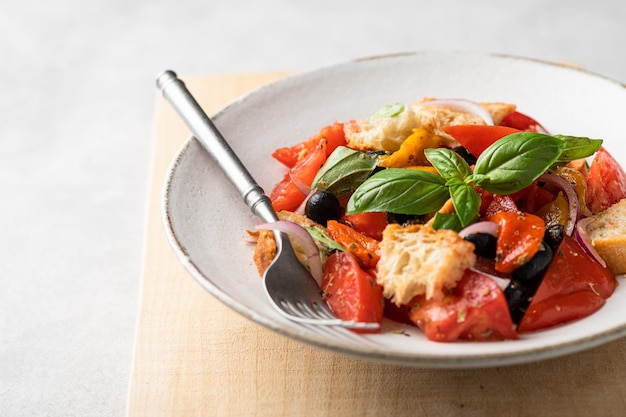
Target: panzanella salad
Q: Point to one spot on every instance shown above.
(468, 220)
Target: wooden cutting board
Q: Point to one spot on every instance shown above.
(195, 357)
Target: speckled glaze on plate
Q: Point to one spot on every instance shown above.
(205, 219)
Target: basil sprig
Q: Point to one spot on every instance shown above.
(323, 239)
(509, 165)
(344, 170)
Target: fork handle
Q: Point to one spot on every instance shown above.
(203, 129)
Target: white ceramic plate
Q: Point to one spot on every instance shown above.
(205, 219)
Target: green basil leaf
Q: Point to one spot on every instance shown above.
(455, 181)
(448, 163)
(515, 161)
(400, 191)
(466, 203)
(447, 221)
(320, 235)
(391, 110)
(344, 170)
(577, 148)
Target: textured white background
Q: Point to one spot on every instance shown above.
(76, 104)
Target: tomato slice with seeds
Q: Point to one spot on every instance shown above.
(476, 309)
(499, 203)
(606, 182)
(352, 292)
(333, 134)
(573, 287)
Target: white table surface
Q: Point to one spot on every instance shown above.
(76, 107)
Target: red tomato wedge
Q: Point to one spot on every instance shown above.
(288, 156)
(498, 203)
(477, 138)
(351, 292)
(475, 310)
(486, 198)
(606, 182)
(521, 121)
(573, 287)
(370, 223)
(519, 237)
(304, 171)
(333, 134)
(287, 194)
(363, 247)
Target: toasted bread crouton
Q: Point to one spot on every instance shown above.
(607, 232)
(388, 133)
(381, 133)
(265, 249)
(446, 115)
(418, 259)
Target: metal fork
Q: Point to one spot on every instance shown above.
(290, 287)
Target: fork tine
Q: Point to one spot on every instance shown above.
(342, 333)
(321, 315)
(313, 310)
(300, 312)
(323, 310)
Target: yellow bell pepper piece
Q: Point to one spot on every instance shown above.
(411, 152)
(430, 169)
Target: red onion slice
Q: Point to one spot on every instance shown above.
(572, 199)
(305, 240)
(464, 105)
(487, 227)
(583, 238)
